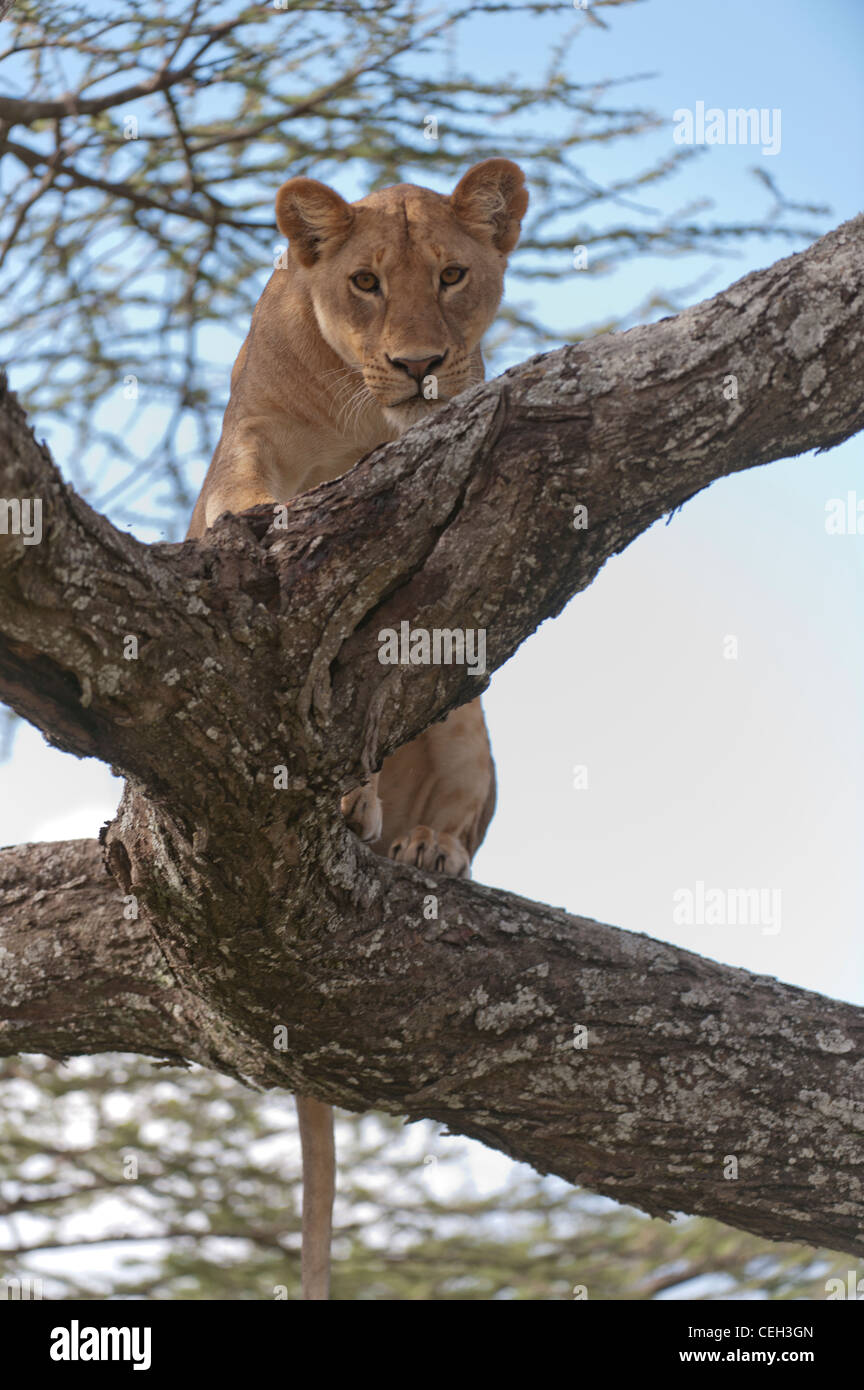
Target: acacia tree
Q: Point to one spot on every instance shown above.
(237, 685)
(265, 941)
(190, 1185)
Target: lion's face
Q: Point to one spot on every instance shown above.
(405, 282)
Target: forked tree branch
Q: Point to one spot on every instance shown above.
(269, 943)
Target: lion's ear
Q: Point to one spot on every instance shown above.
(491, 200)
(310, 214)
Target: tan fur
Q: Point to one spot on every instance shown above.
(329, 371)
(319, 1185)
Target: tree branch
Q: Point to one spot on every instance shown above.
(287, 953)
(25, 111)
(217, 213)
(75, 974)
(688, 1063)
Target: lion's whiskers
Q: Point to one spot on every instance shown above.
(351, 410)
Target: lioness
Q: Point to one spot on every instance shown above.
(374, 321)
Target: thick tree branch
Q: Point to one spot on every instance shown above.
(468, 520)
(289, 955)
(688, 1063)
(76, 975)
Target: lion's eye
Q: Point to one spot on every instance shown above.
(365, 281)
(452, 274)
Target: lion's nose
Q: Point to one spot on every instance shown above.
(418, 367)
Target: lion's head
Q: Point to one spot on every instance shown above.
(405, 282)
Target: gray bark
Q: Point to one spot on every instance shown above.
(264, 925)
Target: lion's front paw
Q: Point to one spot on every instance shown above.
(432, 849)
(362, 810)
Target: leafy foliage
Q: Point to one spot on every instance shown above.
(214, 1211)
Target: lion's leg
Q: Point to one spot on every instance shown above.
(362, 810)
(437, 795)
